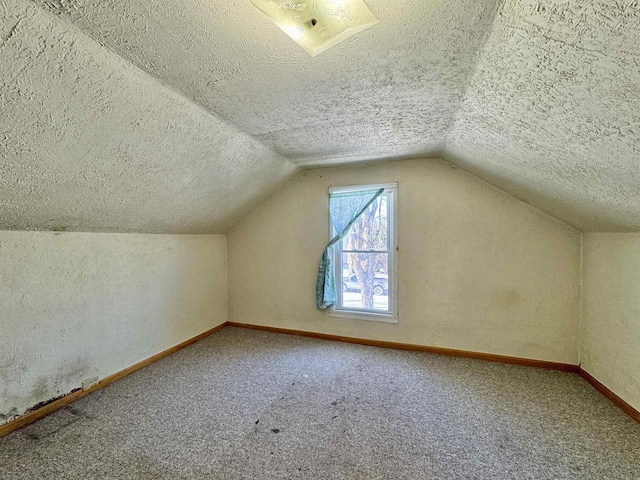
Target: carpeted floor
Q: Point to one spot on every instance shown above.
(252, 405)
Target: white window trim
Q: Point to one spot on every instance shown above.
(392, 317)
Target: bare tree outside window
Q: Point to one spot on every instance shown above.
(366, 254)
(365, 260)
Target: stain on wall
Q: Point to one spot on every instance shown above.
(506, 298)
(477, 269)
(78, 305)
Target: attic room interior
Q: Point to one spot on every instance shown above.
(328, 239)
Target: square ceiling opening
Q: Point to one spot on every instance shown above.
(317, 25)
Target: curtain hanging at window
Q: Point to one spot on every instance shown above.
(345, 208)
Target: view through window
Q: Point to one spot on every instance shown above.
(365, 260)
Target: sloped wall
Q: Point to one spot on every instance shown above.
(78, 305)
(89, 143)
(551, 112)
(610, 348)
(478, 269)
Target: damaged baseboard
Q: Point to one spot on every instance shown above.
(42, 410)
(45, 408)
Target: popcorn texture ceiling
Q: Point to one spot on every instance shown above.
(89, 142)
(182, 115)
(552, 113)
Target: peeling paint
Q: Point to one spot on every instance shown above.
(10, 415)
(80, 305)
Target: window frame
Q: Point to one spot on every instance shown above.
(391, 189)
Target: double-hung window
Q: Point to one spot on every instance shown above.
(365, 260)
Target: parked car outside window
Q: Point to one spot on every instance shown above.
(380, 286)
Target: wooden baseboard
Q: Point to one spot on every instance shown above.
(610, 395)
(45, 410)
(563, 367)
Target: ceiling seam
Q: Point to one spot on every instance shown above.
(440, 158)
(445, 155)
(447, 159)
(156, 80)
(230, 230)
(494, 18)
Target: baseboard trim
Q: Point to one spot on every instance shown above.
(624, 406)
(563, 367)
(490, 357)
(34, 415)
(30, 417)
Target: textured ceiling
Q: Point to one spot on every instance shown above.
(181, 115)
(89, 142)
(552, 114)
(391, 90)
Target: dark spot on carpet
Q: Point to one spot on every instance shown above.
(443, 418)
(53, 424)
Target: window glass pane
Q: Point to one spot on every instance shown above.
(370, 231)
(365, 281)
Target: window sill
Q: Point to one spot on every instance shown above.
(371, 317)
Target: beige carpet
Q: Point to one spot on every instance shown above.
(252, 405)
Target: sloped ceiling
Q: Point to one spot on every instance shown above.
(391, 90)
(88, 142)
(181, 115)
(552, 114)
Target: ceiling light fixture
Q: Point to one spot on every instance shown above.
(317, 25)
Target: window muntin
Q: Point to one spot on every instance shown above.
(365, 261)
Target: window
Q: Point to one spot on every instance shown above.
(365, 260)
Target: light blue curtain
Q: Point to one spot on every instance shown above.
(345, 208)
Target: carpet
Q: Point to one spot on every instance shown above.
(245, 404)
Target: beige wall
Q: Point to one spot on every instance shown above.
(478, 269)
(77, 305)
(610, 349)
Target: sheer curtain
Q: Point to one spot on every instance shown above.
(345, 208)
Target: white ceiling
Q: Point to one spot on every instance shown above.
(88, 142)
(182, 115)
(392, 89)
(552, 113)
